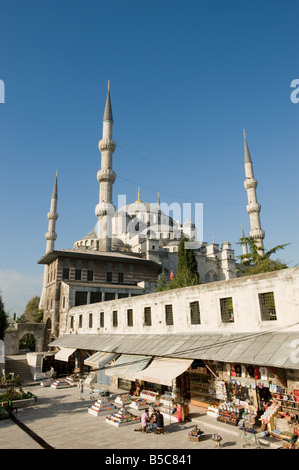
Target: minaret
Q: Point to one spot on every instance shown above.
(253, 208)
(50, 235)
(106, 177)
(52, 216)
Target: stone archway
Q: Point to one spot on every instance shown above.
(27, 343)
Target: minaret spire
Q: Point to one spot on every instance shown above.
(52, 216)
(50, 235)
(253, 208)
(106, 177)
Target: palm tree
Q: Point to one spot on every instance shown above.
(255, 261)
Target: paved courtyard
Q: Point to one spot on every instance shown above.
(63, 421)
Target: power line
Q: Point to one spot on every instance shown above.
(179, 171)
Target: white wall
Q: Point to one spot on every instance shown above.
(244, 292)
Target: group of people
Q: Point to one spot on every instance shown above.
(152, 422)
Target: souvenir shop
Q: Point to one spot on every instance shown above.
(247, 396)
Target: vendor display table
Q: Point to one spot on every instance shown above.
(102, 406)
(149, 395)
(122, 418)
(139, 404)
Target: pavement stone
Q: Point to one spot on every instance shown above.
(61, 419)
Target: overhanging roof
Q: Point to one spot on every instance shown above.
(96, 255)
(163, 370)
(127, 366)
(276, 349)
(99, 358)
(64, 354)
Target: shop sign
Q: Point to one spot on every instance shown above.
(200, 370)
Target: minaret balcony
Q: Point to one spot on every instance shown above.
(51, 236)
(52, 216)
(257, 234)
(107, 176)
(107, 144)
(253, 207)
(250, 183)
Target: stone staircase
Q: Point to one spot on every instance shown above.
(19, 366)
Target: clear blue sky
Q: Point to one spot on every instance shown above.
(186, 78)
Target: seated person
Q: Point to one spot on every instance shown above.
(159, 423)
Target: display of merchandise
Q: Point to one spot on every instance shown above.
(101, 406)
(47, 382)
(270, 413)
(149, 395)
(122, 417)
(219, 391)
(200, 387)
(124, 399)
(72, 378)
(139, 404)
(212, 411)
(229, 413)
(170, 412)
(60, 384)
(196, 434)
(167, 398)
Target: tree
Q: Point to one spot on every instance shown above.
(3, 319)
(32, 312)
(187, 274)
(163, 282)
(255, 262)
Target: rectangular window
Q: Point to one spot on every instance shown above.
(95, 297)
(122, 296)
(101, 319)
(65, 273)
(130, 317)
(147, 316)
(72, 322)
(63, 302)
(267, 306)
(114, 318)
(90, 275)
(168, 315)
(90, 320)
(109, 272)
(51, 305)
(227, 311)
(120, 277)
(80, 321)
(78, 270)
(194, 313)
(80, 298)
(109, 296)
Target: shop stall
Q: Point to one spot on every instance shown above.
(123, 399)
(101, 406)
(150, 396)
(122, 417)
(139, 404)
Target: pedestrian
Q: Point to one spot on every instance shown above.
(159, 423)
(144, 419)
(81, 389)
